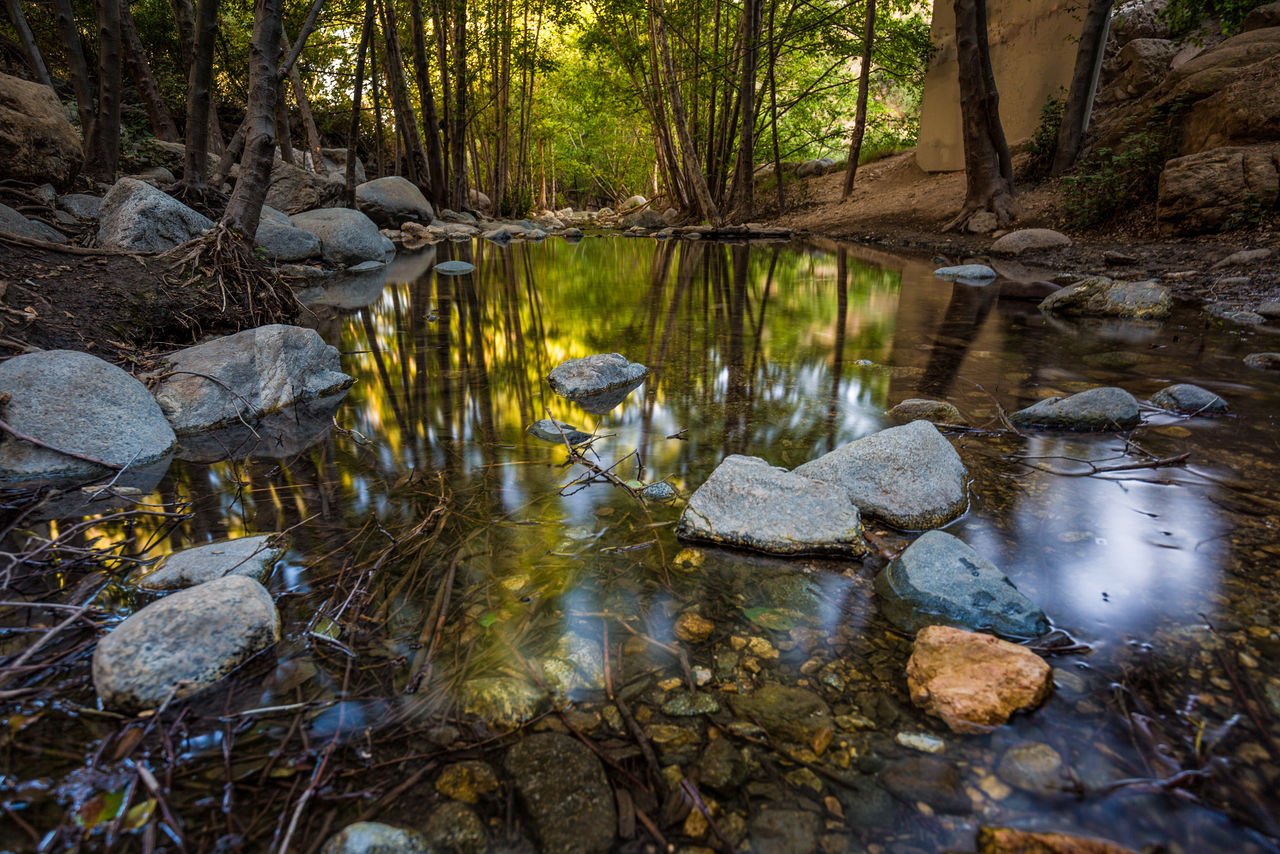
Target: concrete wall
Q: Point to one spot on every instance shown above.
(1033, 52)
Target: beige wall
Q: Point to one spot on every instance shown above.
(1033, 51)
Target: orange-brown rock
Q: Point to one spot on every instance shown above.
(974, 682)
(1006, 840)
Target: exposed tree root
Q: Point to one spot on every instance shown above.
(208, 201)
(999, 202)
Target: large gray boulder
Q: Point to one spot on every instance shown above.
(940, 580)
(1098, 296)
(564, 792)
(136, 217)
(597, 383)
(647, 218)
(294, 190)
(347, 237)
(908, 476)
(80, 404)
(392, 201)
(15, 223)
(183, 643)
(1092, 411)
(37, 142)
(282, 242)
(748, 503)
(251, 557)
(245, 376)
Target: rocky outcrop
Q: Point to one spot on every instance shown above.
(136, 217)
(82, 405)
(750, 504)
(908, 476)
(347, 237)
(294, 190)
(1092, 411)
(1205, 192)
(1098, 296)
(972, 681)
(37, 142)
(597, 383)
(183, 643)
(939, 580)
(251, 557)
(246, 375)
(564, 793)
(392, 201)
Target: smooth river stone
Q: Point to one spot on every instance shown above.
(251, 557)
(1092, 411)
(453, 268)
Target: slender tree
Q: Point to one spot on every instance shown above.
(860, 119)
(366, 35)
(140, 69)
(76, 64)
(743, 194)
(245, 205)
(102, 140)
(199, 99)
(427, 101)
(1075, 113)
(28, 40)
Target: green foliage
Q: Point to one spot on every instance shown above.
(1185, 16)
(1044, 142)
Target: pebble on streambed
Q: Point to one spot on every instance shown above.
(252, 557)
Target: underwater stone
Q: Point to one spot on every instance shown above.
(565, 794)
(1095, 410)
(1185, 397)
(252, 557)
(453, 268)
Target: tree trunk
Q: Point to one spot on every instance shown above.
(988, 182)
(102, 143)
(157, 113)
(184, 17)
(742, 199)
(407, 124)
(284, 134)
(378, 147)
(230, 155)
(28, 39)
(458, 199)
(1075, 114)
(244, 208)
(76, 64)
(353, 134)
(692, 166)
(198, 96)
(304, 110)
(426, 97)
(860, 120)
(773, 106)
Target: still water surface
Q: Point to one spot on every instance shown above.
(441, 552)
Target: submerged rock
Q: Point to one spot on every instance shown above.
(1263, 361)
(565, 794)
(597, 383)
(927, 779)
(922, 409)
(1034, 767)
(80, 404)
(374, 837)
(974, 682)
(1185, 397)
(659, 491)
(1098, 296)
(136, 217)
(1095, 410)
(252, 557)
(502, 702)
(939, 580)
(963, 272)
(247, 375)
(550, 430)
(454, 827)
(907, 476)
(1006, 840)
(467, 781)
(183, 643)
(793, 715)
(750, 504)
(783, 831)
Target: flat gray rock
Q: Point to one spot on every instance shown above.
(908, 476)
(392, 201)
(1029, 240)
(564, 792)
(1092, 411)
(251, 557)
(374, 837)
(1263, 361)
(550, 430)
(136, 217)
(939, 580)
(1098, 296)
(750, 504)
(246, 375)
(597, 383)
(453, 268)
(347, 237)
(81, 205)
(15, 223)
(1192, 399)
(183, 643)
(77, 403)
(965, 271)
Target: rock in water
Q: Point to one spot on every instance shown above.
(1006, 840)
(37, 143)
(346, 237)
(1034, 767)
(374, 837)
(502, 702)
(136, 217)
(81, 404)
(908, 476)
(783, 831)
(793, 715)
(453, 268)
(393, 200)
(251, 557)
(564, 793)
(750, 504)
(597, 383)
(930, 779)
(454, 827)
(939, 580)
(183, 643)
(966, 272)
(1263, 361)
(1092, 411)
(974, 682)
(1098, 296)
(1028, 240)
(921, 409)
(550, 430)
(1192, 399)
(254, 372)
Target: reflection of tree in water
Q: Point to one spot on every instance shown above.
(966, 312)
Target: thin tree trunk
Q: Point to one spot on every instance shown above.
(198, 96)
(28, 39)
(440, 29)
(426, 97)
(184, 17)
(991, 97)
(860, 120)
(458, 199)
(157, 113)
(353, 134)
(407, 124)
(1075, 114)
(284, 133)
(304, 110)
(244, 209)
(773, 106)
(231, 154)
(291, 54)
(743, 195)
(76, 64)
(379, 145)
(102, 143)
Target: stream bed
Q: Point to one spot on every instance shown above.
(453, 587)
